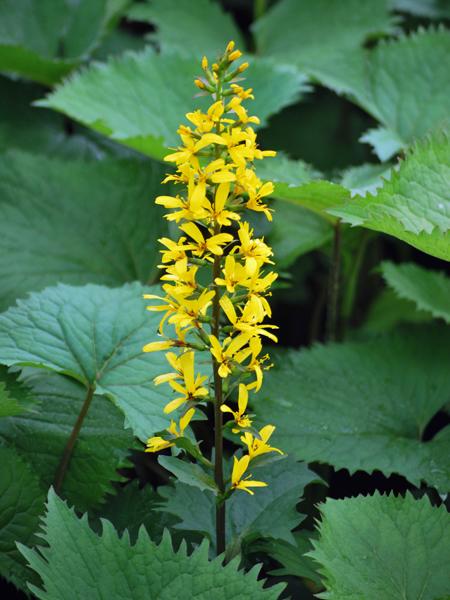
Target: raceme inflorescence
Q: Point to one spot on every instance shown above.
(215, 276)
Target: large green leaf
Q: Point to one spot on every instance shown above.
(365, 405)
(296, 182)
(33, 129)
(76, 222)
(94, 335)
(141, 571)
(190, 28)
(45, 40)
(394, 82)
(21, 503)
(384, 547)
(293, 557)
(429, 290)
(387, 311)
(313, 31)
(140, 99)
(295, 232)
(414, 205)
(433, 9)
(41, 435)
(131, 508)
(269, 513)
(15, 398)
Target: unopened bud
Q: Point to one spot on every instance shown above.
(200, 84)
(243, 67)
(234, 55)
(230, 47)
(215, 67)
(204, 63)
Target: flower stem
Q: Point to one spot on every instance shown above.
(68, 450)
(333, 285)
(218, 416)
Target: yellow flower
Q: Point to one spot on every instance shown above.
(225, 355)
(250, 320)
(255, 251)
(253, 350)
(184, 422)
(175, 250)
(234, 274)
(157, 443)
(257, 446)
(192, 389)
(217, 211)
(211, 244)
(255, 200)
(191, 147)
(187, 313)
(240, 465)
(157, 346)
(241, 419)
(182, 276)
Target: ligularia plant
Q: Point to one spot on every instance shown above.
(216, 280)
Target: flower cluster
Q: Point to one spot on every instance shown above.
(215, 279)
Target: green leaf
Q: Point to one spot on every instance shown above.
(297, 183)
(295, 232)
(414, 205)
(364, 405)
(131, 508)
(433, 9)
(126, 571)
(188, 472)
(383, 547)
(140, 99)
(189, 28)
(313, 31)
(429, 290)
(15, 397)
(393, 82)
(21, 503)
(292, 557)
(94, 335)
(388, 310)
(365, 178)
(76, 222)
(271, 512)
(43, 41)
(26, 127)
(40, 437)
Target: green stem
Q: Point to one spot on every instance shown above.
(351, 286)
(259, 8)
(218, 416)
(68, 450)
(333, 285)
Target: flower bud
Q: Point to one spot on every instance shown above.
(235, 55)
(230, 47)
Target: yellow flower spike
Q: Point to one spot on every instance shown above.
(240, 466)
(257, 446)
(222, 315)
(240, 418)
